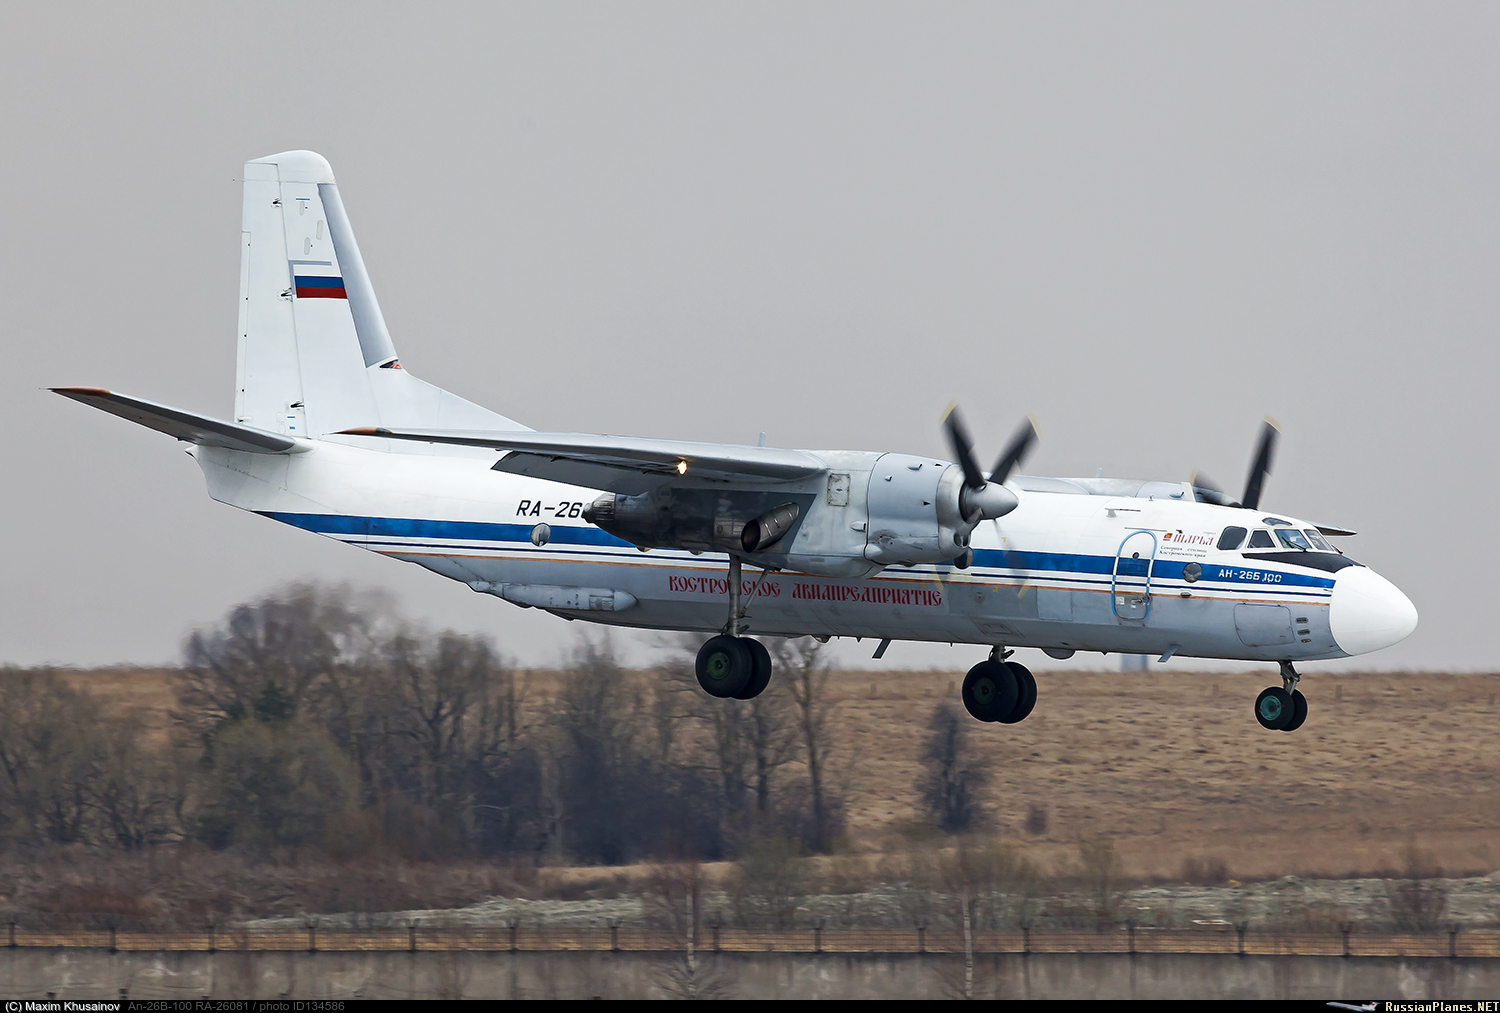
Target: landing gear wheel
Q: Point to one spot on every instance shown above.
(1299, 711)
(724, 666)
(1274, 708)
(990, 690)
(1025, 698)
(760, 676)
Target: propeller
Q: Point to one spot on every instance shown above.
(1261, 466)
(1207, 491)
(984, 498)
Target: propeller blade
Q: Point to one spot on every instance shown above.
(1198, 480)
(963, 448)
(1020, 445)
(1206, 490)
(1261, 466)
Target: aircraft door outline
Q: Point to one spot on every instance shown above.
(1128, 599)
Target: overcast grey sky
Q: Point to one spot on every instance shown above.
(1146, 224)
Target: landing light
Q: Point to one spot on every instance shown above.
(682, 467)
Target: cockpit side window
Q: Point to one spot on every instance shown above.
(1231, 538)
(1319, 542)
(1292, 538)
(1260, 538)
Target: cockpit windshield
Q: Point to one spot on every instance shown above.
(1260, 538)
(1292, 538)
(1319, 542)
(1232, 537)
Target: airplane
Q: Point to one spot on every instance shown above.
(332, 435)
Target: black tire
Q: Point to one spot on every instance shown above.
(1299, 711)
(1274, 708)
(723, 666)
(990, 690)
(1026, 695)
(760, 677)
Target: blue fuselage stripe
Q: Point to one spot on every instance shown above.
(411, 527)
(442, 534)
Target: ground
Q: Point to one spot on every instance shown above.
(1172, 765)
(1169, 764)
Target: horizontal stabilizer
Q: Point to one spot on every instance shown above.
(187, 426)
(619, 463)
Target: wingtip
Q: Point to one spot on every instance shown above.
(80, 391)
(364, 431)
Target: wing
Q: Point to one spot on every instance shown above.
(188, 426)
(623, 464)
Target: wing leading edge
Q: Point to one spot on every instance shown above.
(623, 464)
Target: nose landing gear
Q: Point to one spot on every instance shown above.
(1282, 708)
(999, 690)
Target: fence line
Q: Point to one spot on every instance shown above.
(1124, 939)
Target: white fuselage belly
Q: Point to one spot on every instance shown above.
(1046, 575)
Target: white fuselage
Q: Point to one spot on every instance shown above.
(1062, 572)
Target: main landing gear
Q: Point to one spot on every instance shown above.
(730, 666)
(999, 690)
(1282, 708)
(735, 668)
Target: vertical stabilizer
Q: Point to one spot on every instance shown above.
(314, 353)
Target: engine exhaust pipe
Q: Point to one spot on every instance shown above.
(767, 529)
(601, 511)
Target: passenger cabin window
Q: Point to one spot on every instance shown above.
(1260, 538)
(1231, 538)
(1319, 542)
(1292, 538)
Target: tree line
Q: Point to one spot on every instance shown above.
(315, 717)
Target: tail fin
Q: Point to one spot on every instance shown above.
(314, 353)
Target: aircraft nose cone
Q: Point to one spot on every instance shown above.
(1368, 612)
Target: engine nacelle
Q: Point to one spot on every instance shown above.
(866, 512)
(700, 520)
(916, 511)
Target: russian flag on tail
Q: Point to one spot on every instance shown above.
(315, 287)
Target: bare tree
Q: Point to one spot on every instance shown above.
(677, 892)
(770, 730)
(271, 656)
(804, 674)
(952, 776)
(1102, 875)
(457, 708)
(73, 771)
(1419, 901)
(769, 883)
(600, 765)
(752, 739)
(274, 784)
(47, 757)
(137, 793)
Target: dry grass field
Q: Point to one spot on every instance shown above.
(1169, 764)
